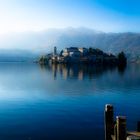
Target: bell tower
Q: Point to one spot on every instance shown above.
(55, 51)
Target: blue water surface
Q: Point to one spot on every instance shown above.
(64, 102)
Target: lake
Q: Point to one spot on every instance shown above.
(64, 102)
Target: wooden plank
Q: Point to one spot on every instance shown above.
(113, 137)
(121, 127)
(138, 126)
(134, 133)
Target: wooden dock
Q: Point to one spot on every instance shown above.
(116, 129)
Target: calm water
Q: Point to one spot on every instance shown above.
(64, 103)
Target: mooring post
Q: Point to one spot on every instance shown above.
(109, 121)
(121, 127)
(138, 126)
(115, 132)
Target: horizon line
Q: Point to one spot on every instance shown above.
(66, 28)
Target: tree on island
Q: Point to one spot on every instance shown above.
(122, 60)
(95, 51)
(43, 60)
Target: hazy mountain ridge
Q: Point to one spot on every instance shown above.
(44, 41)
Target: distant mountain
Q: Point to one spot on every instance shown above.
(44, 41)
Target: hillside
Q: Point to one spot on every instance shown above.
(44, 41)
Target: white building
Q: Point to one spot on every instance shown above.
(84, 51)
(72, 52)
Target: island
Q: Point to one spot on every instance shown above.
(75, 55)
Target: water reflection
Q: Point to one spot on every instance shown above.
(121, 69)
(34, 105)
(80, 71)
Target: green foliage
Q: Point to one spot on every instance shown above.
(122, 58)
(43, 59)
(93, 51)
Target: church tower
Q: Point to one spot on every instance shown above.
(55, 51)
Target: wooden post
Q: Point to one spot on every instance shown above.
(121, 128)
(109, 122)
(115, 132)
(138, 126)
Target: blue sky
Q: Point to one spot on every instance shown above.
(36, 15)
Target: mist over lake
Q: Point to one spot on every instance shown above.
(44, 41)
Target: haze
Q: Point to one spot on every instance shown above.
(36, 15)
(24, 23)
